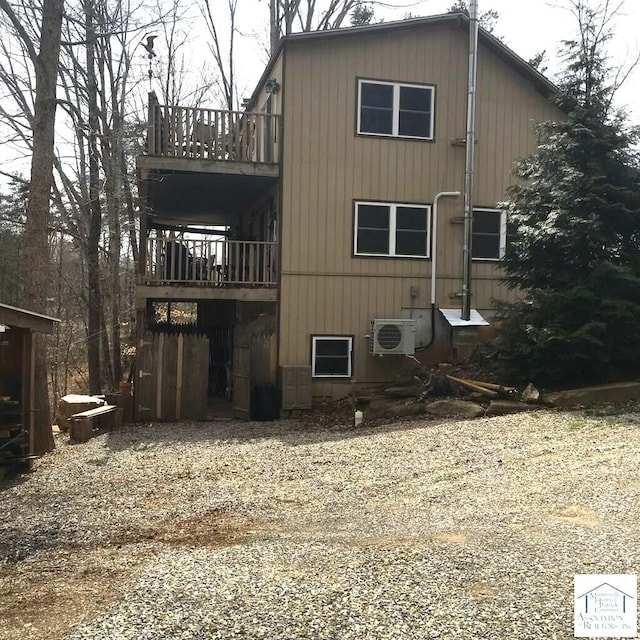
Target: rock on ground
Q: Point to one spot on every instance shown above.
(455, 408)
(503, 407)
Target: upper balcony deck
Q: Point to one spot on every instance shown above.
(211, 141)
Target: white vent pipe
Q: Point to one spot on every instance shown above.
(434, 242)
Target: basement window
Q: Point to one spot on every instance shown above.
(489, 234)
(395, 109)
(331, 356)
(393, 230)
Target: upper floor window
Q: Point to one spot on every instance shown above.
(389, 229)
(395, 109)
(489, 234)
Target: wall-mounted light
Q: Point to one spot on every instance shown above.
(4, 340)
(272, 86)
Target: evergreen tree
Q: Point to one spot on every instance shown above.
(575, 218)
(361, 15)
(538, 61)
(487, 19)
(13, 208)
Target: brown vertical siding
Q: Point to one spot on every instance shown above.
(325, 289)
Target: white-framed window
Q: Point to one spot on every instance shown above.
(392, 229)
(489, 234)
(331, 356)
(395, 109)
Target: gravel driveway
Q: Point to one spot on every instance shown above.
(459, 529)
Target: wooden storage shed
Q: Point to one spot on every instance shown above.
(17, 376)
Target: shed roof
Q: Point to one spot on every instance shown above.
(24, 319)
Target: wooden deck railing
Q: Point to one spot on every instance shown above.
(210, 262)
(213, 134)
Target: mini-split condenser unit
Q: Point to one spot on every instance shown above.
(389, 337)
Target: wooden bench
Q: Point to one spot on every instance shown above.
(83, 424)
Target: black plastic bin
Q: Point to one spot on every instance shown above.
(265, 402)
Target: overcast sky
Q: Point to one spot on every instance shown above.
(526, 26)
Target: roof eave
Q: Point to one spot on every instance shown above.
(543, 84)
(25, 319)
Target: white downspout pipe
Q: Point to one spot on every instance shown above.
(434, 242)
(469, 160)
(434, 262)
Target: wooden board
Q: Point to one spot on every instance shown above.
(172, 377)
(145, 387)
(98, 411)
(241, 378)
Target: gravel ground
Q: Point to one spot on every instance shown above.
(460, 530)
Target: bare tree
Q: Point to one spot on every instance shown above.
(100, 86)
(95, 206)
(114, 73)
(223, 56)
(181, 80)
(596, 24)
(307, 15)
(288, 16)
(96, 77)
(45, 62)
(91, 166)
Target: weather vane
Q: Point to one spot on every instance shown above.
(148, 46)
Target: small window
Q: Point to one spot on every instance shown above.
(331, 356)
(389, 229)
(489, 234)
(395, 109)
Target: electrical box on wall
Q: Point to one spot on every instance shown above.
(422, 317)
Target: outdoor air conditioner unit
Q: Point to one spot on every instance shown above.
(392, 337)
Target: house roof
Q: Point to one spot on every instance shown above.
(24, 319)
(541, 83)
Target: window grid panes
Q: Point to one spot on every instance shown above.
(331, 356)
(395, 109)
(373, 229)
(489, 234)
(394, 230)
(376, 108)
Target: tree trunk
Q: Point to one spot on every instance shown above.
(95, 221)
(131, 213)
(107, 374)
(57, 342)
(38, 206)
(115, 246)
(274, 25)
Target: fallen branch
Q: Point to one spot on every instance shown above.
(474, 387)
(491, 385)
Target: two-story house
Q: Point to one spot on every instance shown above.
(314, 205)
